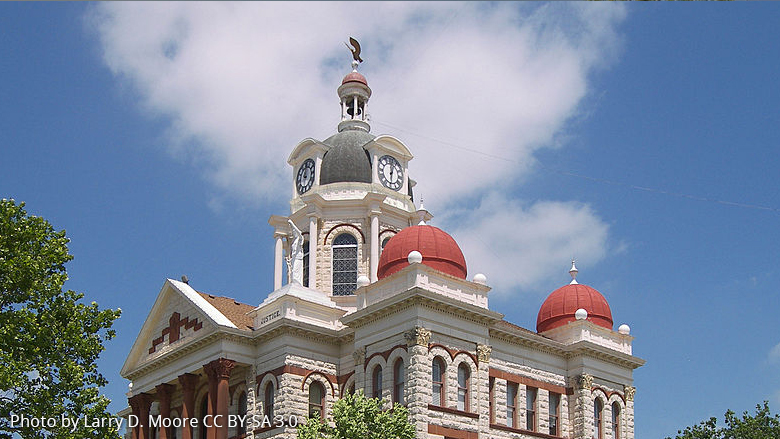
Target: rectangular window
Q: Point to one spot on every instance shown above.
(491, 399)
(555, 410)
(511, 405)
(530, 408)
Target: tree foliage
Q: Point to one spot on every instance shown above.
(358, 417)
(49, 339)
(763, 425)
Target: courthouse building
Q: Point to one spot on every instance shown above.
(367, 296)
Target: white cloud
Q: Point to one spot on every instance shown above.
(472, 88)
(774, 354)
(518, 246)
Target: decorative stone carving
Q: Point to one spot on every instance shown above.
(359, 355)
(629, 391)
(418, 336)
(295, 262)
(483, 352)
(584, 381)
(219, 368)
(188, 382)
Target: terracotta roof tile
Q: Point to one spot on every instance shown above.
(235, 311)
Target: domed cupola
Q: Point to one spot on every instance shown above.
(562, 305)
(439, 250)
(347, 159)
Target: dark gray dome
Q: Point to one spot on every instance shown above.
(347, 160)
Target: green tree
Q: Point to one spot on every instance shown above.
(763, 425)
(358, 417)
(49, 339)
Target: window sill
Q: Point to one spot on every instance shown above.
(452, 411)
(522, 431)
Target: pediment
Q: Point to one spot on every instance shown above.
(180, 315)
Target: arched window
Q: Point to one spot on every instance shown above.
(464, 376)
(598, 408)
(399, 378)
(376, 382)
(242, 413)
(351, 389)
(316, 400)
(306, 263)
(268, 401)
(204, 410)
(344, 264)
(384, 243)
(437, 378)
(615, 420)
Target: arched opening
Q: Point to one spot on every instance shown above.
(268, 401)
(399, 378)
(242, 409)
(306, 263)
(344, 264)
(464, 377)
(376, 382)
(437, 378)
(616, 420)
(598, 408)
(316, 400)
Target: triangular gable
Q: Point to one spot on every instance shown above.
(178, 313)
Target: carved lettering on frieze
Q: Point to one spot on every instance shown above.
(418, 336)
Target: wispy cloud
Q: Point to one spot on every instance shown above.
(474, 90)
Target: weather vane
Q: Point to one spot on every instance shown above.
(355, 49)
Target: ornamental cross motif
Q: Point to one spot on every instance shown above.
(418, 336)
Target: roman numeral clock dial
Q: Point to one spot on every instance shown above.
(391, 174)
(305, 178)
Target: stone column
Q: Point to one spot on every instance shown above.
(218, 372)
(481, 389)
(141, 404)
(188, 382)
(278, 259)
(582, 415)
(313, 238)
(419, 379)
(629, 392)
(164, 392)
(374, 245)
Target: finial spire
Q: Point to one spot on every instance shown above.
(573, 272)
(423, 214)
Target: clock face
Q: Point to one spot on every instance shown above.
(305, 178)
(391, 174)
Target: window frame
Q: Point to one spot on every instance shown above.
(376, 382)
(511, 404)
(492, 400)
(352, 285)
(306, 246)
(531, 408)
(554, 421)
(616, 420)
(268, 403)
(441, 383)
(598, 418)
(399, 381)
(463, 387)
(315, 407)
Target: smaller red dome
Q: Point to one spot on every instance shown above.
(438, 250)
(561, 304)
(354, 77)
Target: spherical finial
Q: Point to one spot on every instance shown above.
(624, 329)
(355, 64)
(573, 272)
(130, 387)
(362, 281)
(414, 257)
(480, 278)
(581, 314)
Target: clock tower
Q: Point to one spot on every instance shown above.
(350, 194)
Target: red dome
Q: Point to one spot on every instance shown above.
(560, 306)
(354, 77)
(438, 250)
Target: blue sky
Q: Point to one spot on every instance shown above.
(157, 166)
